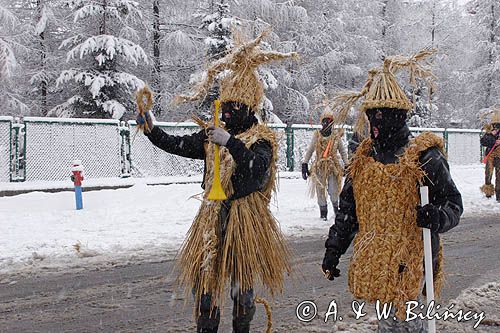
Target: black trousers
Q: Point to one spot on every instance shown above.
(243, 312)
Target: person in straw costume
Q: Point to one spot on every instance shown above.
(491, 140)
(236, 241)
(327, 170)
(379, 204)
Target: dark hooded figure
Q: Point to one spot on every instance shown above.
(380, 209)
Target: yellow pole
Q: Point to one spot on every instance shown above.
(216, 192)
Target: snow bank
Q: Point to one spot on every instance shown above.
(42, 229)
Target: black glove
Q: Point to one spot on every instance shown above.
(305, 171)
(428, 217)
(330, 263)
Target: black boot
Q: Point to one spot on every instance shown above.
(323, 210)
(243, 311)
(208, 321)
(336, 208)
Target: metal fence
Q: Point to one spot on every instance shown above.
(5, 148)
(150, 161)
(52, 144)
(43, 148)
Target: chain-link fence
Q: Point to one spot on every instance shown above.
(150, 161)
(463, 146)
(281, 136)
(43, 148)
(5, 150)
(52, 144)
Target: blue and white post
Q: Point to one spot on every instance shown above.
(77, 178)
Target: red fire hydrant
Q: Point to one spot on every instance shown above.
(77, 178)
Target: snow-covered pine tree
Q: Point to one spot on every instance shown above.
(157, 68)
(421, 116)
(10, 100)
(217, 23)
(340, 41)
(103, 57)
(283, 18)
(42, 64)
(40, 79)
(486, 19)
(7, 56)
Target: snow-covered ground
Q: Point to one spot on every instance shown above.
(44, 230)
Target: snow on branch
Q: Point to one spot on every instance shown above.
(40, 77)
(45, 15)
(65, 109)
(113, 9)
(88, 11)
(109, 46)
(7, 18)
(71, 41)
(129, 80)
(7, 60)
(179, 43)
(114, 108)
(95, 81)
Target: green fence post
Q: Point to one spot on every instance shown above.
(289, 148)
(445, 137)
(11, 156)
(16, 159)
(16, 153)
(482, 150)
(125, 150)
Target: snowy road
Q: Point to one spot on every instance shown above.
(139, 297)
(39, 231)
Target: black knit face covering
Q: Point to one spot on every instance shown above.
(385, 122)
(326, 126)
(234, 114)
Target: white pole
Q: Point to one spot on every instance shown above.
(429, 279)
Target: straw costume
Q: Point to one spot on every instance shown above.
(327, 169)
(380, 195)
(491, 140)
(236, 242)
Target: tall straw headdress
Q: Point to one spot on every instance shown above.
(495, 115)
(382, 89)
(241, 83)
(490, 117)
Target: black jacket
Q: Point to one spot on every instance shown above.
(354, 143)
(488, 140)
(442, 193)
(252, 165)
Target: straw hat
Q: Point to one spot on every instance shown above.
(382, 89)
(240, 81)
(495, 118)
(385, 92)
